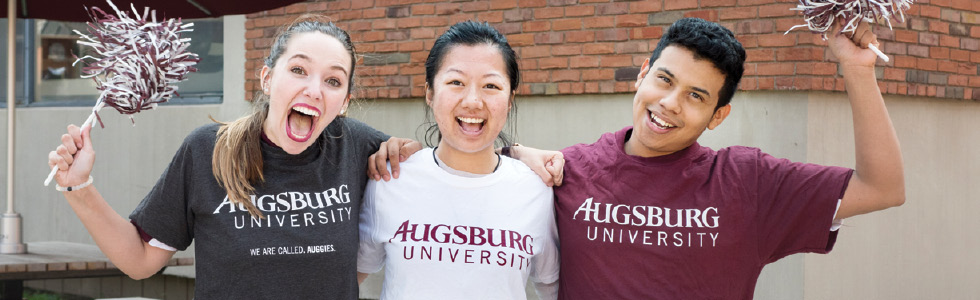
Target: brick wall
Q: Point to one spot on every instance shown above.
(597, 46)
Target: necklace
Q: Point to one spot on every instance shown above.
(437, 161)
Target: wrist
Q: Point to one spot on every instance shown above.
(510, 151)
(85, 184)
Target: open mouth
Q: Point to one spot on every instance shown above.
(660, 123)
(299, 123)
(471, 125)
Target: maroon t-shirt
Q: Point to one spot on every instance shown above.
(695, 224)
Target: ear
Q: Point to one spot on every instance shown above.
(346, 102)
(264, 79)
(510, 102)
(720, 114)
(643, 73)
(428, 94)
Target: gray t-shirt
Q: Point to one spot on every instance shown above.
(304, 248)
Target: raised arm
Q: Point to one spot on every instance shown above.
(879, 179)
(549, 165)
(115, 236)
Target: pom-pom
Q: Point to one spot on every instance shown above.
(137, 61)
(820, 14)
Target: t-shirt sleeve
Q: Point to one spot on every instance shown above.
(797, 203)
(370, 138)
(164, 213)
(545, 264)
(370, 251)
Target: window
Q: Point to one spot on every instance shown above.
(46, 76)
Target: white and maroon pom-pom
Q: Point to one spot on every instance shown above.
(137, 61)
(820, 14)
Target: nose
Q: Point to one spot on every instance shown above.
(471, 98)
(670, 102)
(314, 88)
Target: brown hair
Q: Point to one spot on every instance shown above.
(237, 160)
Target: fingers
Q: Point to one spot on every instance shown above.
(380, 160)
(556, 167)
(87, 138)
(372, 169)
(76, 135)
(394, 150)
(57, 160)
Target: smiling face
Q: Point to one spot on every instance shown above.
(307, 89)
(470, 97)
(674, 103)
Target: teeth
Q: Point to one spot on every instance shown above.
(306, 111)
(470, 120)
(661, 121)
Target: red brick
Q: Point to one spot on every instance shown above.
(566, 75)
(739, 13)
(435, 21)
(549, 12)
(631, 20)
(447, 8)
(410, 46)
(610, 35)
(584, 62)
(616, 8)
(824, 68)
(939, 26)
(959, 55)
(975, 31)
(579, 36)
(760, 54)
(490, 16)
(645, 6)
(291, 9)
(966, 69)
(647, 33)
(906, 36)
(748, 41)
(680, 4)
(963, 4)
(600, 74)
(753, 2)
(523, 39)
(929, 11)
(975, 81)
(422, 33)
(939, 52)
(778, 10)
(632, 47)
(754, 26)
(475, 6)
(775, 69)
(710, 15)
(600, 22)
(579, 11)
(748, 84)
(926, 64)
(717, 3)
(535, 76)
(535, 51)
(949, 41)
(794, 54)
(777, 40)
(553, 63)
(503, 4)
(423, 9)
(537, 26)
(621, 60)
(373, 13)
(532, 3)
(409, 22)
(566, 24)
(975, 57)
(894, 74)
(959, 80)
(598, 48)
(548, 38)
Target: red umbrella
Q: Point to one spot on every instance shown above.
(74, 10)
(10, 239)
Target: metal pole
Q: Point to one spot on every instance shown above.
(10, 240)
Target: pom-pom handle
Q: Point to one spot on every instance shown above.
(876, 51)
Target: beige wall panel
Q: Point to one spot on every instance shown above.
(924, 249)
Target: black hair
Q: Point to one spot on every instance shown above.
(469, 33)
(711, 41)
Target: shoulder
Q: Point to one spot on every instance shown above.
(519, 173)
(203, 136)
(609, 141)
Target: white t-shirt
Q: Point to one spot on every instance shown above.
(443, 236)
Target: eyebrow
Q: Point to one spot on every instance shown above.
(696, 89)
(307, 58)
(484, 76)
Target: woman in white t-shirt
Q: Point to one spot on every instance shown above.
(461, 221)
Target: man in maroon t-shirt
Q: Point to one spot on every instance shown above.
(648, 213)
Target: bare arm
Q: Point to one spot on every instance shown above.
(549, 165)
(361, 277)
(879, 179)
(115, 236)
(394, 151)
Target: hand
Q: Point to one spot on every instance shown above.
(549, 165)
(395, 150)
(74, 157)
(852, 48)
